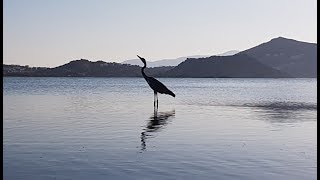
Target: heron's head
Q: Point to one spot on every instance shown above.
(143, 60)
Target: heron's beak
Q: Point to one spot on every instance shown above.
(143, 60)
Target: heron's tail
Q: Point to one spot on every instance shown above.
(171, 93)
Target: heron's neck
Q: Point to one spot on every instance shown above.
(142, 71)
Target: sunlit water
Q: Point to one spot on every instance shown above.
(106, 128)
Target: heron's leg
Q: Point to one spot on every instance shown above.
(155, 111)
(157, 100)
(154, 99)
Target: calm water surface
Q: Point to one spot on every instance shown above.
(106, 128)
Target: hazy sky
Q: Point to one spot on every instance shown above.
(54, 32)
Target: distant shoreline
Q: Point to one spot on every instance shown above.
(295, 60)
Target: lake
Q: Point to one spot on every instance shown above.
(107, 128)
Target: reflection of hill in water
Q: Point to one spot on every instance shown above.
(284, 106)
(286, 112)
(155, 124)
(274, 111)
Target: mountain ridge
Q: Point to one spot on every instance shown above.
(235, 66)
(279, 57)
(174, 61)
(297, 58)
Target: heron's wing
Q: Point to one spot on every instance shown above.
(158, 86)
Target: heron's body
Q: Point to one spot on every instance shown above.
(155, 85)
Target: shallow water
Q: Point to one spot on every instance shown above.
(106, 128)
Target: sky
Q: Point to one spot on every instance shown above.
(49, 33)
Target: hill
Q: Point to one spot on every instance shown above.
(237, 66)
(163, 62)
(229, 53)
(83, 68)
(173, 62)
(279, 57)
(299, 59)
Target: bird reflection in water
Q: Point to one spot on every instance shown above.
(155, 124)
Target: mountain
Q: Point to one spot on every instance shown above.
(279, 57)
(229, 53)
(83, 68)
(236, 66)
(299, 59)
(163, 62)
(173, 62)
